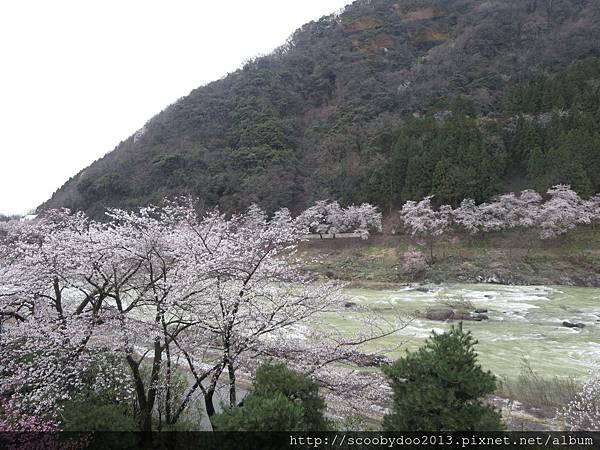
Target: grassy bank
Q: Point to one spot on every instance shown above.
(506, 258)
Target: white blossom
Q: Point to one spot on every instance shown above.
(330, 218)
(562, 212)
(583, 412)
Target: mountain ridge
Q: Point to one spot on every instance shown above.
(360, 106)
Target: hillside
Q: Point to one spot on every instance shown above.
(387, 101)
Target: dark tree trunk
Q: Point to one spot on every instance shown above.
(232, 390)
(208, 402)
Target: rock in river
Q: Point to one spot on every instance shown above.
(451, 314)
(439, 314)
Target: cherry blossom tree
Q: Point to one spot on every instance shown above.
(47, 317)
(583, 412)
(160, 287)
(506, 212)
(469, 216)
(253, 287)
(322, 218)
(593, 207)
(330, 218)
(562, 212)
(363, 219)
(413, 261)
(510, 211)
(258, 295)
(421, 220)
(528, 209)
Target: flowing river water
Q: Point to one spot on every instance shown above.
(524, 327)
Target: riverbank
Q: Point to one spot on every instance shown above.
(503, 258)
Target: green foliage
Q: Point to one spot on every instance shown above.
(97, 415)
(449, 159)
(108, 185)
(440, 387)
(557, 137)
(281, 400)
(575, 88)
(262, 413)
(115, 422)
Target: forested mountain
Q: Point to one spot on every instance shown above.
(387, 101)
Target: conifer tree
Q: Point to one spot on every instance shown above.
(440, 387)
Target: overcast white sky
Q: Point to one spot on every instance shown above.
(77, 77)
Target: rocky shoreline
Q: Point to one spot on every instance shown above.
(591, 280)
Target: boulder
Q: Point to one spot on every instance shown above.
(481, 311)
(466, 315)
(463, 315)
(349, 304)
(439, 314)
(442, 314)
(568, 324)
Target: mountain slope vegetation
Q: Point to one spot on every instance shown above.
(386, 101)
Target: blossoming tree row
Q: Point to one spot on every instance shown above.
(556, 216)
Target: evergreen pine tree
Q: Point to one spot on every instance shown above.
(440, 387)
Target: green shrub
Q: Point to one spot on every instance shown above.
(281, 400)
(262, 413)
(94, 415)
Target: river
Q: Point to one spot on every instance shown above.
(524, 326)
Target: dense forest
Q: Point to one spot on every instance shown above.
(384, 102)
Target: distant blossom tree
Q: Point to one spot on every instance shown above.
(326, 217)
(593, 206)
(469, 216)
(322, 218)
(528, 205)
(363, 219)
(508, 211)
(421, 220)
(525, 211)
(562, 212)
